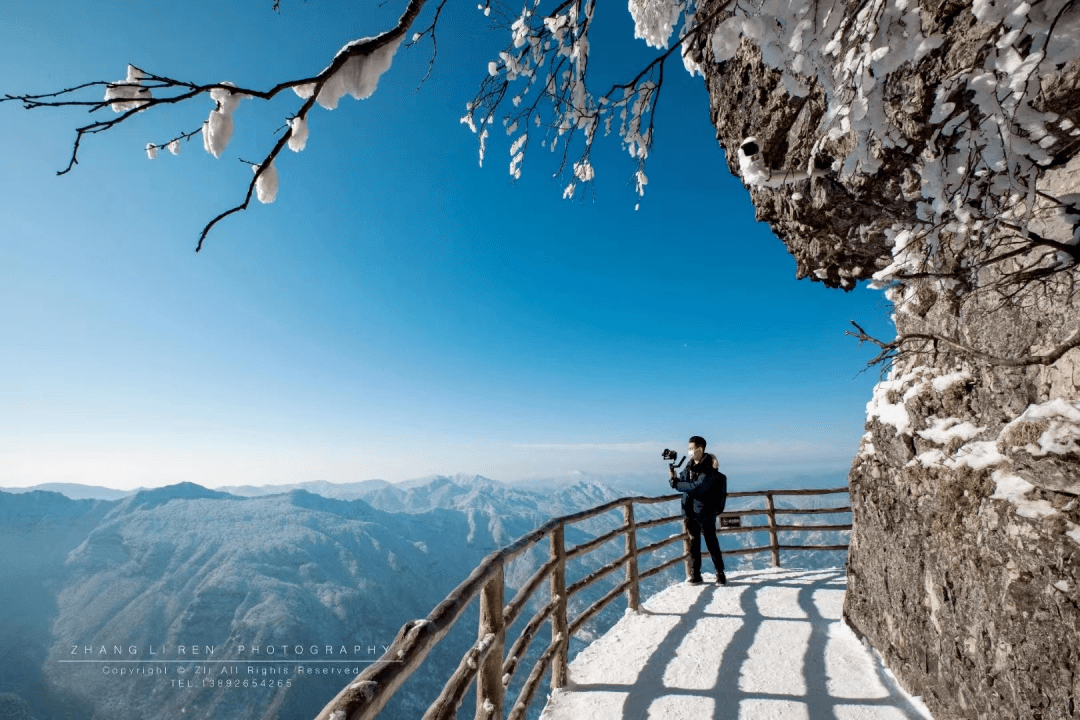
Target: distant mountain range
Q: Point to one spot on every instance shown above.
(142, 606)
(625, 484)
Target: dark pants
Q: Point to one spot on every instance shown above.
(696, 527)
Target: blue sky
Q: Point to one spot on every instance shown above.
(399, 311)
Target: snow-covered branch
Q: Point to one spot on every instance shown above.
(354, 70)
(540, 82)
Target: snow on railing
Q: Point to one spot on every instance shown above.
(488, 663)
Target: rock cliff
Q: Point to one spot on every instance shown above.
(931, 148)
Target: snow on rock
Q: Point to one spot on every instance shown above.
(944, 430)
(972, 139)
(1043, 445)
(1052, 427)
(944, 382)
(866, 445)
(1015, 489)
(887, 404)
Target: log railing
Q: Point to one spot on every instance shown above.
(487, 662)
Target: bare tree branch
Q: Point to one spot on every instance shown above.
(895, 348)
(430, 30)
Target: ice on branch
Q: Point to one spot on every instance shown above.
(654, 20)
(642, 181)
(218, 128)
(151, 150)
(130, 89)
(266, 185)
(359, 76)
(583, 171)
(298, 139)
(517, 153)
(174, 147)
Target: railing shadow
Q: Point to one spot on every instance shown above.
(770, 645)
(492, 663)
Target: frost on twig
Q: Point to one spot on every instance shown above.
(540, 83)
(355, 70)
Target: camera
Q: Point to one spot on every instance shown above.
(672, 455)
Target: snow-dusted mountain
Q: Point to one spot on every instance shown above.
(97, 593)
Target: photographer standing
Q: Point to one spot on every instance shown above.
(704, 490)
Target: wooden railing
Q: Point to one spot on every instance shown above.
(487, 662)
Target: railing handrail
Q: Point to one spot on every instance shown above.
(484, 662)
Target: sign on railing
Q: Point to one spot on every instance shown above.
(488, 663)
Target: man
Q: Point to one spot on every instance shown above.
(704, 490)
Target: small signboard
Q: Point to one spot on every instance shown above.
(730, 521)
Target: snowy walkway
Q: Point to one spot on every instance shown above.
(768, 646)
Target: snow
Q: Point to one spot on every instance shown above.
(359, 76)
(891, 412)
(654, 20)
(1015, 489)
(980, 166)
(942, 430)
(266, 186)
(1062, 435)
(298, 139)
(943, 383)
(130, 89)
(866, 445)
(218, 128)
(979, 455)
(769, 645)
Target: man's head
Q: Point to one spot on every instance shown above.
(695, 449)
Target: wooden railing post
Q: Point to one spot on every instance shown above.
(489, 686)
(559, 625)
(632, 594)
(686, 549)
(774, 541)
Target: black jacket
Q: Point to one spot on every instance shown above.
(704, 488)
